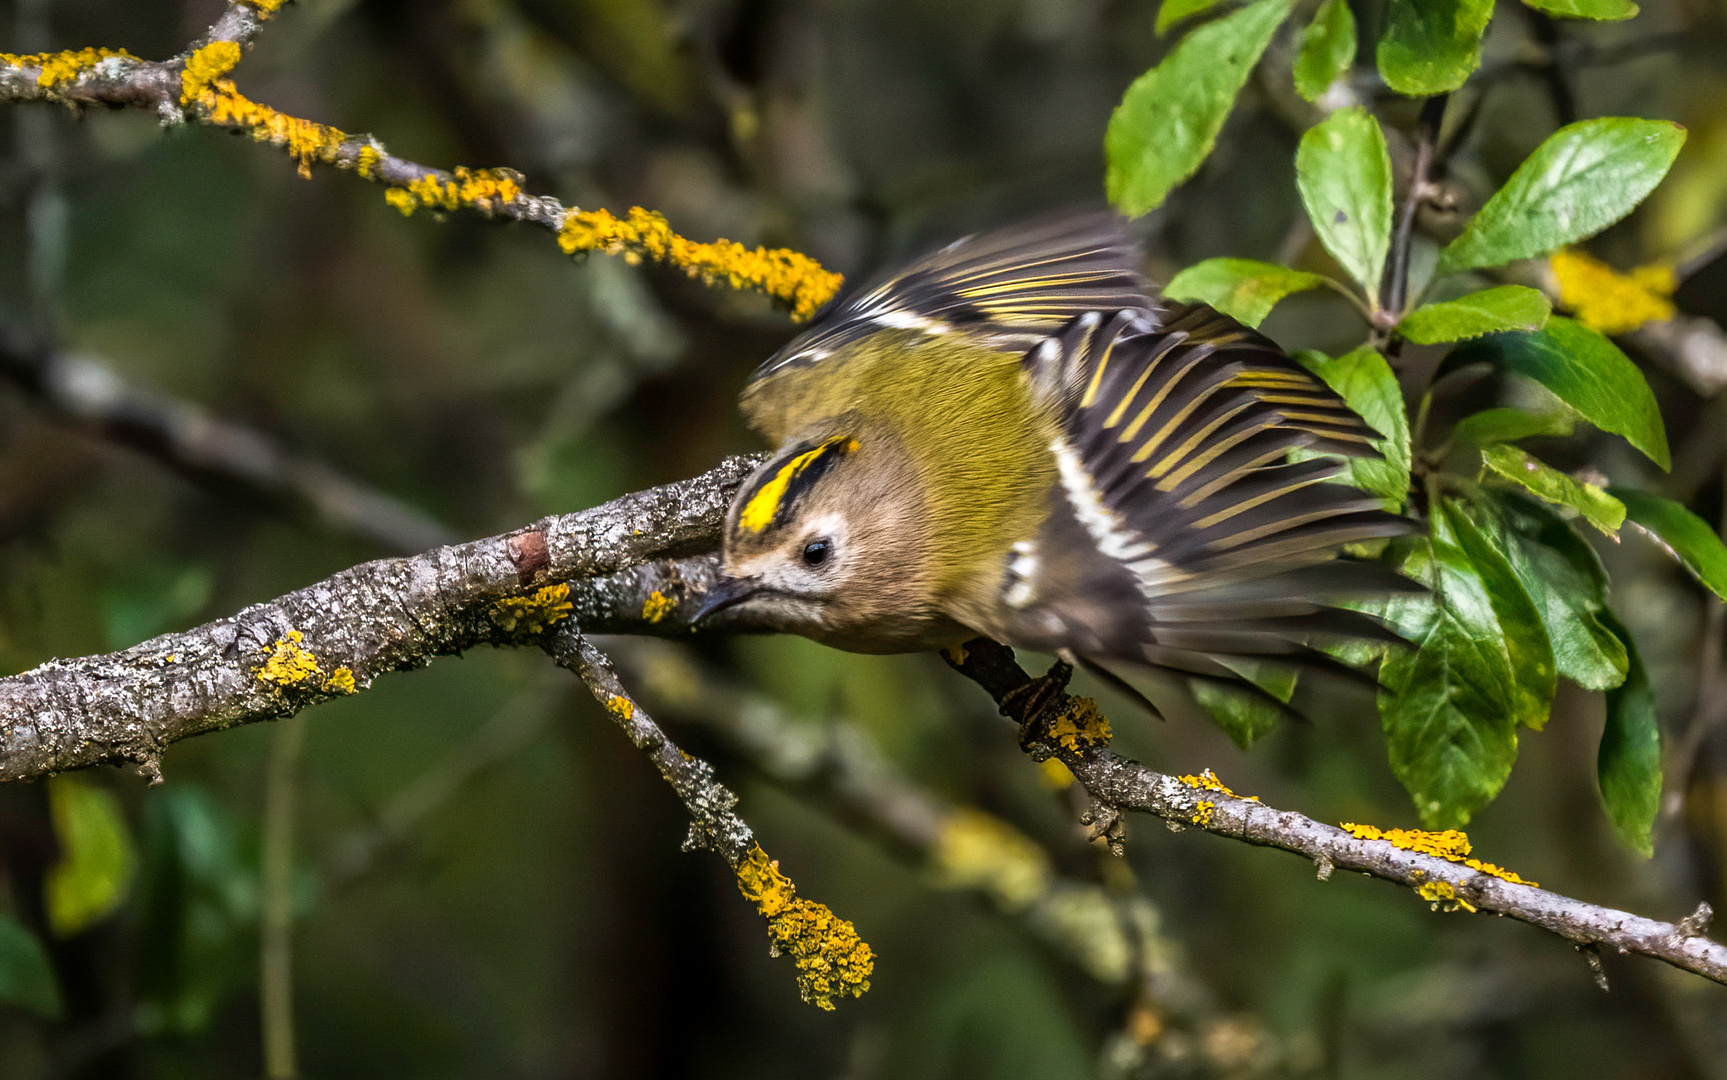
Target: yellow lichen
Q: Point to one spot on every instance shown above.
(1202, 813)
(1208, 781)
(288, 662)
(979, 851)
(204, 67)
(266, 8)
(793, 279)
(536, 613)
(60, 67)
(1606, 300)
(367, 160)
(1441, 893)
(1450, 845)
(621, 707)
(955, 654)
(832, 961)
(657, 606)
(1080, 726)
(485, 190)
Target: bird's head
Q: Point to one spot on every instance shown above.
(822, 541)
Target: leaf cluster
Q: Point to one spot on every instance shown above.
(1517, 596)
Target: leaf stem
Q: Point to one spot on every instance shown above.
(1396, 293)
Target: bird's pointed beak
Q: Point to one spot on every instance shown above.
(725, 593)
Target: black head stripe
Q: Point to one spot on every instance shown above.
(784, 483)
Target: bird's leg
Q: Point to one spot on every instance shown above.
(1036, 704)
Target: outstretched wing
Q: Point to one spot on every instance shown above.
(1209, 551)
(1010, 288)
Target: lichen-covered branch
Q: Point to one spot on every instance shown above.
(1113, 933)
(832, 961)
(194, 87)
(85, 394)
(336, 636)
(1436, 866)
(637, 565)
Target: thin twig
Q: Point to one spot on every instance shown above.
(1396, 292)
(1127, 785)
(87, 395)
(832, 961)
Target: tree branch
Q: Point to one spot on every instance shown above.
(335, 637)
(1128, 785)
(86, 395)
(192, 88)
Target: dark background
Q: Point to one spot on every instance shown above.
(537, 919)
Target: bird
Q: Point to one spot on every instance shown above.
(1015, 436)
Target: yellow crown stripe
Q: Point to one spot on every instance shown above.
(759, 512)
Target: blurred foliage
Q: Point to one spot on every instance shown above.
(540, 919)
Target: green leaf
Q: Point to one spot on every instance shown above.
(1587, 372)
(1244, 289)
(1367, 384)
(1171, 12)
(96, 859)
(1585, 177)
(1431, 46)
(1686, 536)
(1534, 676)
(1628, 764)
(1448, 705)
(1169, 118)
(1327, 49)
(1243, 715)
(1507, 307)
(26, 978)
(1564, 577)
(1508, 425)
(1344, 173)
(1603, 10)
(197, 912)
(1515, 464)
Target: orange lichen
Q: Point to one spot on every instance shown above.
(793, 279)
(485, 190)
(1080, 726)
(832, 961)
(1208, 781)
(536, 613)
(1606, 300)
(306, 141)
(1202, 813)
(59, 67)
(1450, 845)
(657, 606)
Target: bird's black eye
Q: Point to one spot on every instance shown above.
(816, 552)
